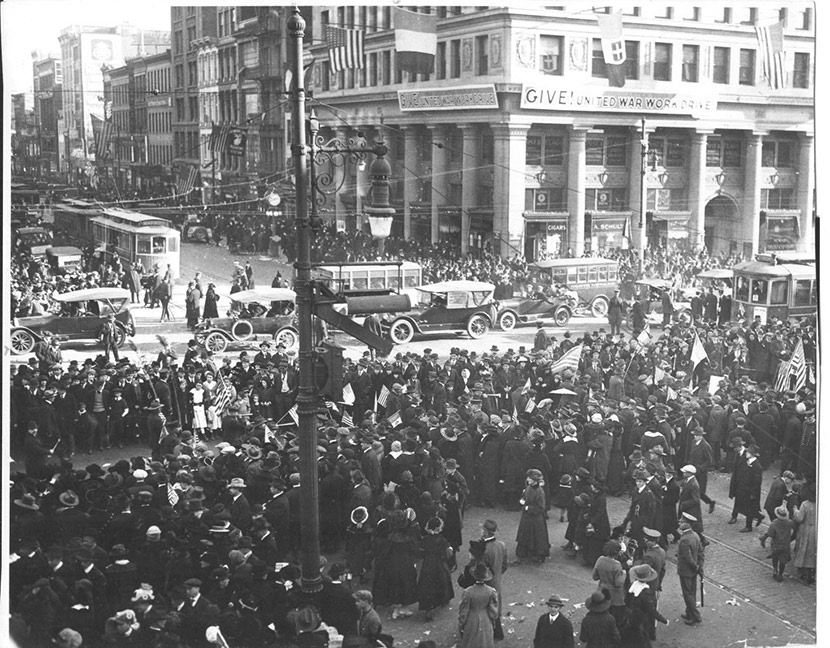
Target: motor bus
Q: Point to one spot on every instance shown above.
(592, 279)
(781, 285)
(372, 278)
(134, 236)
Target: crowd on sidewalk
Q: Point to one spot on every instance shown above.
(199, 526)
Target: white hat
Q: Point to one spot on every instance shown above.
(689, 468)
(596, 417)
(140, 474)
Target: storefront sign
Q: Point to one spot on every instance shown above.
(553, 96)
(463, 98)
(782, 233)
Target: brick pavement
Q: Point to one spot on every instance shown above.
(738, 562)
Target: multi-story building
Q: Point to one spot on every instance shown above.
(159, 122)
(25, 141)
(516, 139)
(84, 51)
(47, 83)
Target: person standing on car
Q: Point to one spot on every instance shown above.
(109, 337)
(668, 306)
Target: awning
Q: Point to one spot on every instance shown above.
(672, 216)
(543, 217)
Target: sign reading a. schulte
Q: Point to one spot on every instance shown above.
(552, 96)
(463, 98)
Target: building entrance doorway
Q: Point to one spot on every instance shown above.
(720, 226)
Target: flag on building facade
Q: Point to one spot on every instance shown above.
(698, 352)
(345, 47)
(416, 40)
(569, 360)
(773, 57)
(383, 397)
(219, 138)
(103, 136)
(613, 47)
(186, 183)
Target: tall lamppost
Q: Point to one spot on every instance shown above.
(333, 152)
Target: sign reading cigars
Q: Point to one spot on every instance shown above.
(463, 98)
(541, 96)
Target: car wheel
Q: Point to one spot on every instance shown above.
(599, 306)
(507, 321)
(401, 331)
(288, 337)
(684, 316)
(120, 337)
(200, 338)
(22, 342)
(216, 342)
(199, 234)
(561, 316)
(242, 329)
(477, 326)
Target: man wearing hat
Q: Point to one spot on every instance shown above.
(689, 565)
(701, 457)
(689, 501)
(748, 490)
(238, 504)
(495, 557)
(553, 629)
(655, 555)
(197, 613)
(739, 467)
(643, 509)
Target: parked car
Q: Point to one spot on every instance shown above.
(528, 310)
(196, 230)
(259, 311)
(451, 306)
(81, 317)
(652, 290)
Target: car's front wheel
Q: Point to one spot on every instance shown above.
(216, 342)
(599, 307)
(242, 330)
(477, 326)
(287, 337)
(120, 337)
(507, 321)
(561, 316)
(401, 331)
(22, 342)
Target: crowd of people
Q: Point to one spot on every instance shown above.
(199, 530)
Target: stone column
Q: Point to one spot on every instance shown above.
(440, 183)
(576, 189)
(804, 192)
(509, 146)
(697, 187)
(471, 154)
(752, 191)
(410, 180)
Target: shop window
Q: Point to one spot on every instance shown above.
(606, 199)
(778, 292)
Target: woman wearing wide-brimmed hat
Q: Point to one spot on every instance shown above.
(434, 582)
(478, 611)
(642, 608)
(598, 628)
(532, 539)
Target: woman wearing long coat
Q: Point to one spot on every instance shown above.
(210, 309)
(487, 466)
(532, 537)
(478, 611)
(805, 539)
(434, 582)
(598, 524)
(748, 488)
(642, 605)
(400, 575)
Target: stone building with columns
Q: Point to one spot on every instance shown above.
(516, 141)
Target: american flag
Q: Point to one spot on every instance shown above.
(569, 360)
(219, 138)
(186, 184)
(383, 397)
(771, 48)
(531, 405)
(395, 419)
(347, 420)
(102, 142)
(172, 495)
(294, 416)
(348, 394)
(222, 397)
(345, 48)
(796, 368)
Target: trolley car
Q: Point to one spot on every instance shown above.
(779, 286)
(137, 237)
(73, 220)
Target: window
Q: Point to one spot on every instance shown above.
(455, 59)
(597, 59)
(801, 70)
(179, 75)
(778, 292)
(180, 110)
(746, 70)
(803, 18)
(778, 198)
(742, 288)
(545, 200)
(606, 151)
(689, 13)
(724, 152)
(726, 16)
(662, 200)
(671, 152)
(667, 12)
(554, 150)
(632, 60)
(533, 150)
(777, 154)
(373, 69)
(746, 15)
(441, 60)
(720, 65)
(606, 199)
(482, 62)
(690, 59)
(662, 61)
(387, 67)
(178, 40)
(803, 290)
(760, 290)
(631, 11)
(191, 36)
(550, 57)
